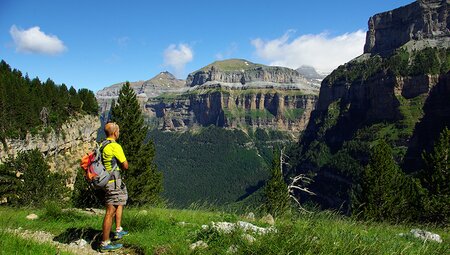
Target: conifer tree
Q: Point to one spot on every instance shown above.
(143, 180)
(276, 192)
(382, 195)
(83, 196)
(34, 184)
(436, 179)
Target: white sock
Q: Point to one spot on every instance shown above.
(119, 229)
(104, 243)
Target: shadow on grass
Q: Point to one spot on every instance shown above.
(93, 237)
(90, 235)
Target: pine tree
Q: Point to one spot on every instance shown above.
(9, 183)
(383, 193)
(83, 196)
(89, 104)
(276, 193)
(436, 179)
(34, 184)
(144, 181)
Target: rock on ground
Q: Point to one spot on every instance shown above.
(198, 245)
(425, 235)
(32, 217)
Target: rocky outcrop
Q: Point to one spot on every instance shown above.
(164, 82)
(241, 71)
(286, 110)
(63, 149)
(310, 73)
(420, 21)
(375, 98)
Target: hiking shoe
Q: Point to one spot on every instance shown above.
(110, 247)
(120, 234)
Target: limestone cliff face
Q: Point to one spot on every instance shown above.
(286, 110)
(233, 93)
(164, 82)
(243, 72)
(370, 98)
(375, 99)
(62, 150)
(421, 20)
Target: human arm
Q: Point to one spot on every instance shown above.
(124, 165)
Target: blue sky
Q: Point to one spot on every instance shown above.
(96, 43)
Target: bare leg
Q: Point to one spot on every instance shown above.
(107, 221)
(119, 216)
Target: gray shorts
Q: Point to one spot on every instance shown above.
(116, 193)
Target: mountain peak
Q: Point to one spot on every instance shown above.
(233, 64)
(309, 72)
(423, 20)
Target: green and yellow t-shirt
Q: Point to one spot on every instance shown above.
(112, 150)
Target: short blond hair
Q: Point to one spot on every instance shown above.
(111, 128)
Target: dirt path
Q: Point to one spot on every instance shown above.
(74, 247)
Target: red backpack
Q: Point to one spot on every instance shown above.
(95, 172)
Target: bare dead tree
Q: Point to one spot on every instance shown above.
(44, 116)
(299, 182)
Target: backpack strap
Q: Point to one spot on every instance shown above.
(114, 160)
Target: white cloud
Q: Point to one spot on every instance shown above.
(33, 40)
(177, 57)
(321, 51)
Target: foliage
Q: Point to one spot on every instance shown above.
(294, 114)
(143, 180)
(386, 193)
(214, 164)
(436, 178)
(31, 105)
(83, 196)
(277, 200)
(402, 62)
(35, 183)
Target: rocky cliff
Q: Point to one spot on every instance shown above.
(286, 110)
(424, 20)
(241, 71)
(238, 94)
(62, 149)
(233, 93)
(164, 82)
(397, 97)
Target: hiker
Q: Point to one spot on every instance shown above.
(116, 194)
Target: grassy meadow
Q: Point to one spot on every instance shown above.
(170, 231)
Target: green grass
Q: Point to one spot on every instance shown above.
(412, 111)
(231, 65)
(158, 229)
(12, 244)
(293, 114)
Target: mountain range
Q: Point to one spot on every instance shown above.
(233, 93)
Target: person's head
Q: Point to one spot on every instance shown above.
(112, 130)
